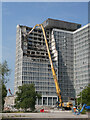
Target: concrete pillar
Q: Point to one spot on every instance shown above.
(52, 100)
(57, 98)
(42, 100)
(37, 101)
(47, 100)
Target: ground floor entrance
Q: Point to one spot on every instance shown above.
(47, 100)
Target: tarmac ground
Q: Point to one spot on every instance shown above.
(63, 115)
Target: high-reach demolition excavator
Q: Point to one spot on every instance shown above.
(58, 91)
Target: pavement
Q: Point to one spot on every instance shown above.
(61, 114)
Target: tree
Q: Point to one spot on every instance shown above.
(4, 94)
(26, 97)
(85, 94)
(4, 78)
(4, 72)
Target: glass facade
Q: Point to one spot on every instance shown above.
(65, 47)
(81, 58)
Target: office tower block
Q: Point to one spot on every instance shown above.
(65, 40)
(81, 58)
(33, 66)
(65, 48)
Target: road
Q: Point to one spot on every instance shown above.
(62, 114)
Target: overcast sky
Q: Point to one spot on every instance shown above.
(31, 13)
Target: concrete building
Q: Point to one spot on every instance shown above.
(9, 103)
(33, 66)
(81, 39)
(32, 62)
(65, 50)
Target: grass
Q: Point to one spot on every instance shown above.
(83, 112)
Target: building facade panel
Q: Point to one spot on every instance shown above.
(19, 59)
(64, 47)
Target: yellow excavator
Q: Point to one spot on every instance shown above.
(60, 102)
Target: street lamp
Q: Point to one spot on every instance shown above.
(81, 95)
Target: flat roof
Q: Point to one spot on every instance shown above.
(59, 24)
